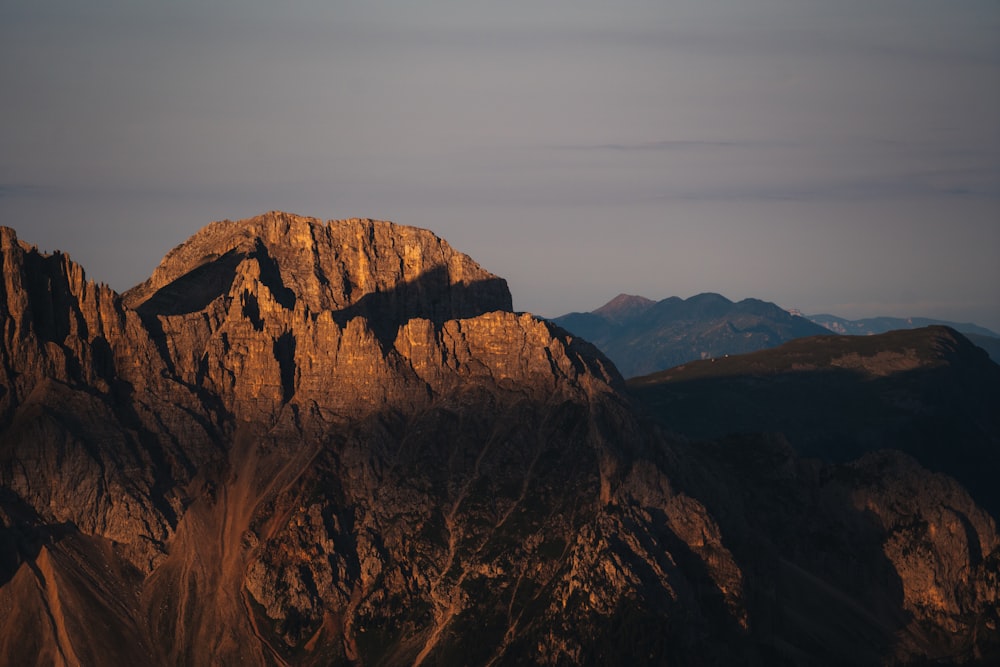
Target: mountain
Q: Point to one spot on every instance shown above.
(981, 336)
(839, 397)
(642, 336)
(841, 412)
(877, 325)
(624, 307)
(989, 344)
(320, 443)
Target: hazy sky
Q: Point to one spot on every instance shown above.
(831, 155)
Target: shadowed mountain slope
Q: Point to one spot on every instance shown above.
(928, 392)
(981, 336)
(309, 443)
(642, 336)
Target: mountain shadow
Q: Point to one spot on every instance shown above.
(23, 534)
(929, 393)
(817, 581)
(430, 296)
(196, 289)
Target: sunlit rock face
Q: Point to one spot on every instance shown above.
(264, 310)
(334, 443)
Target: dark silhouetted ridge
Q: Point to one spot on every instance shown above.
(928, 392)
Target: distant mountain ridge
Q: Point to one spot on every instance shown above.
(877, 325)
(643, 336)
(981, 336)
(624, 307)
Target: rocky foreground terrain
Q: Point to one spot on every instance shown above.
(311, 443)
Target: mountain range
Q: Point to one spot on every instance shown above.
(876, 325)
(334, 443)
(643, 336)
(985, 338)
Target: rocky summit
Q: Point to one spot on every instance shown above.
(309, 443)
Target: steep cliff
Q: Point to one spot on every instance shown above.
(96, 433)
(876, 561)
(333, 443)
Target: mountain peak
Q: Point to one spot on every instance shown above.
(310, 443)
(708, 297)
(270, 296)
(641, 336)
(624, 306)
(324, 266)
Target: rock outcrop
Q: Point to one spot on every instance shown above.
(334, 443)
(95, 432)
(871, 562)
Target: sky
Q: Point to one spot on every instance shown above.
(838, 156)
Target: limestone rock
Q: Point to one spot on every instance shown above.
(334, 443)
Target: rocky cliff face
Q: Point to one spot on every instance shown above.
(871, 562)
(95, 432)
(333, 443)
(259, 311)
